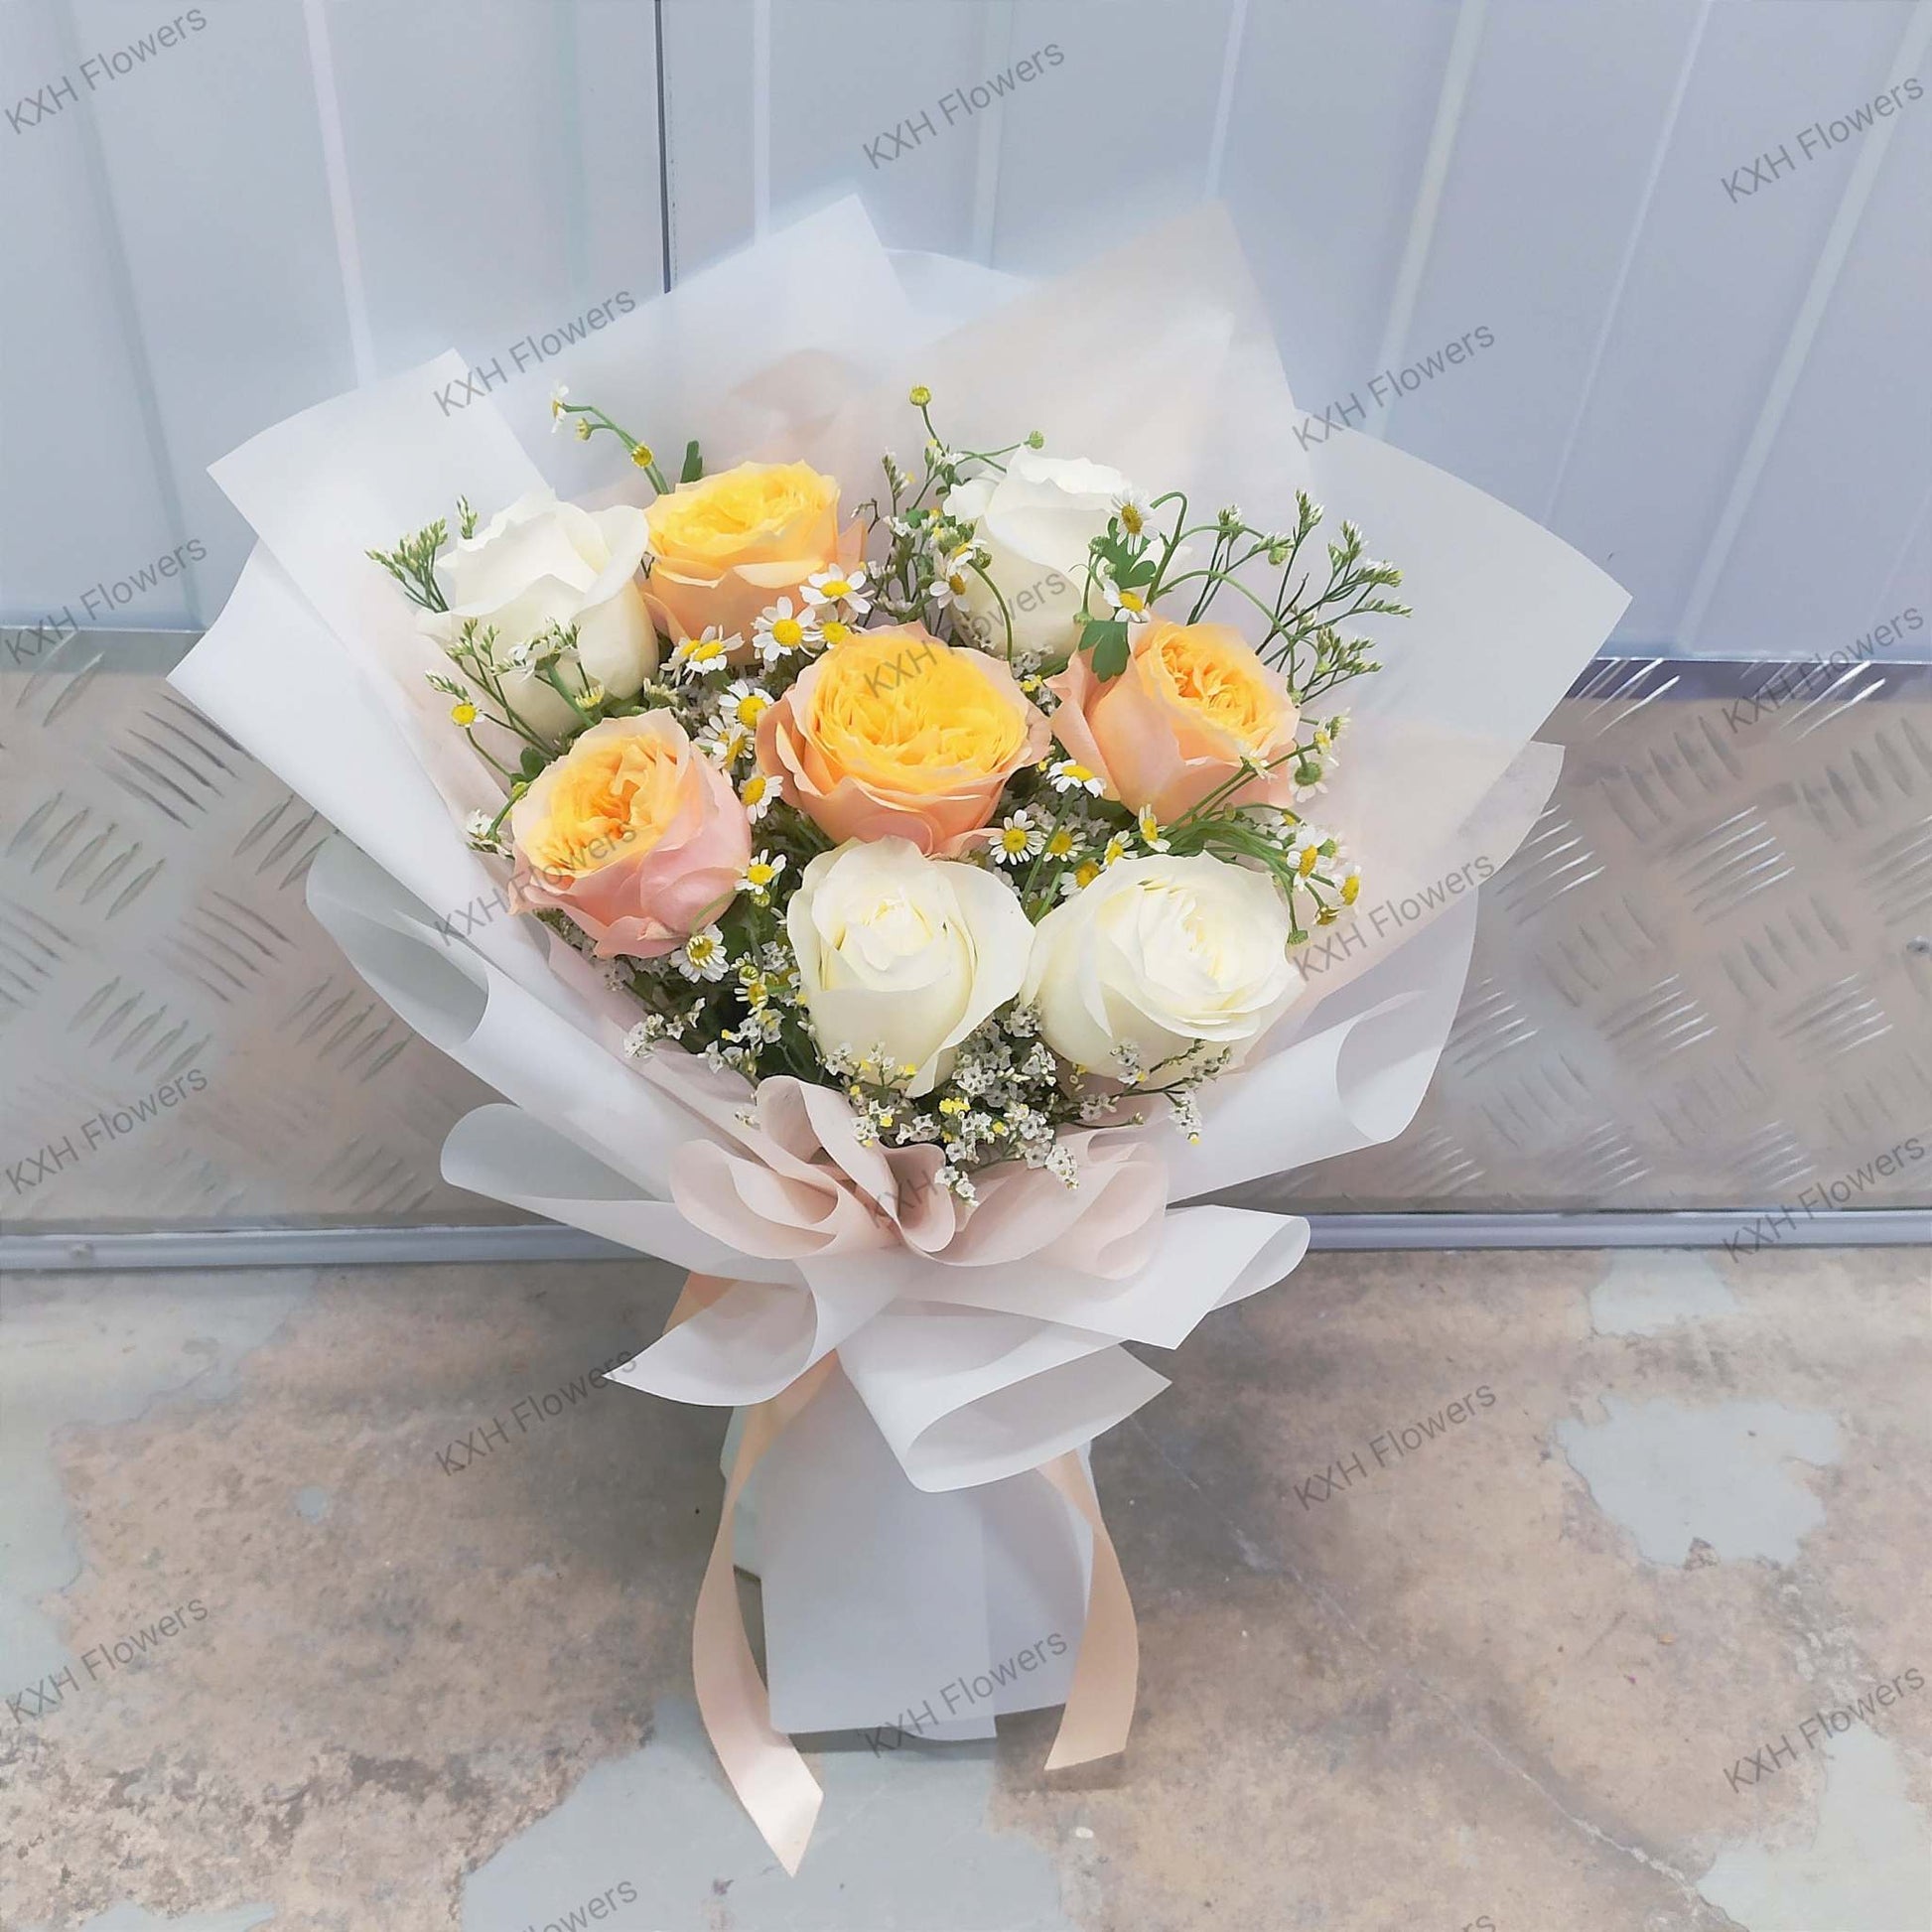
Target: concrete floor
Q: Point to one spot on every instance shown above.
(1556, 1667)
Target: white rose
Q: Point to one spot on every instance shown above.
(905, 952)
(1156, 954)
(1034, 523)
(541, 562)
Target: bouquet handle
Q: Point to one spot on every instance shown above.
(764, 1767)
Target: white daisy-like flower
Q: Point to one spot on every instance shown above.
(702, 957)
(1351, 884)
(760, 874)
(843, 588)
(834, 632)
(1018, 839)
(1149, 828)
(1136, 514)
(780, 630)
(758, 794)
(557, 396)
(950, 579)
(726, 742)
(481, 830)
(1069, 775)
(1080, 877)
(1116, 849)
(743, 704)
(702, 655)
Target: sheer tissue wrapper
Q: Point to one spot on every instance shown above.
(902, 1544)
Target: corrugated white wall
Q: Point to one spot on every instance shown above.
(1723, 394)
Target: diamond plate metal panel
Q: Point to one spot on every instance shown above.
(1705, 978)
(153, 934)
(1705, 981)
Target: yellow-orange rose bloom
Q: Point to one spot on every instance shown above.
(633, 836)
(1194, 701)
(727, 546)
(894, 735)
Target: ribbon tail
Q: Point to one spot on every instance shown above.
(1106, 1675)
(762, 1764)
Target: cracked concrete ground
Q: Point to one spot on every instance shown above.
(293, 1638)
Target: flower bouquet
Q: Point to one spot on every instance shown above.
(931, 879)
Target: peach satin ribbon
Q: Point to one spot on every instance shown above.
(764, 1765)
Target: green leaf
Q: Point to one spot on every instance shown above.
(1106, 638)
(531, 763)
(693, 463)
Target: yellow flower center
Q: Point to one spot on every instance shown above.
(610, 799)
(1012, 839)
(750, 706)
(1086, 873)
(898, 708)
(836, 586)
(1060, 844)
(1211, 669)
(789, 632)
(754, 788)
(758, 872)
(835, 633)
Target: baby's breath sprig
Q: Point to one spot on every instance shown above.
(412, 563)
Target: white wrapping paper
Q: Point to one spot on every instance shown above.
(903, 1542)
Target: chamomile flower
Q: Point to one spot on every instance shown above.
(726, 741)
(480, 829)
(1069, 774)
(744, 704)
(834, 633)
(1129, 604)
(1149, 828)
(557, 396)
(1136, 514)
(842, 589)
(1062, 842)
(1351, 884)
(1080, 877)
(702, 655)
(702, 957)
(1115, 850)
(1018, 839)
(758, 794)
(761, 874)
(950, 578)
(779, 630)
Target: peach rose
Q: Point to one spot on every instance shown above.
(894, 735)
(631, 836)
(1193, 702)
(729, 545)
